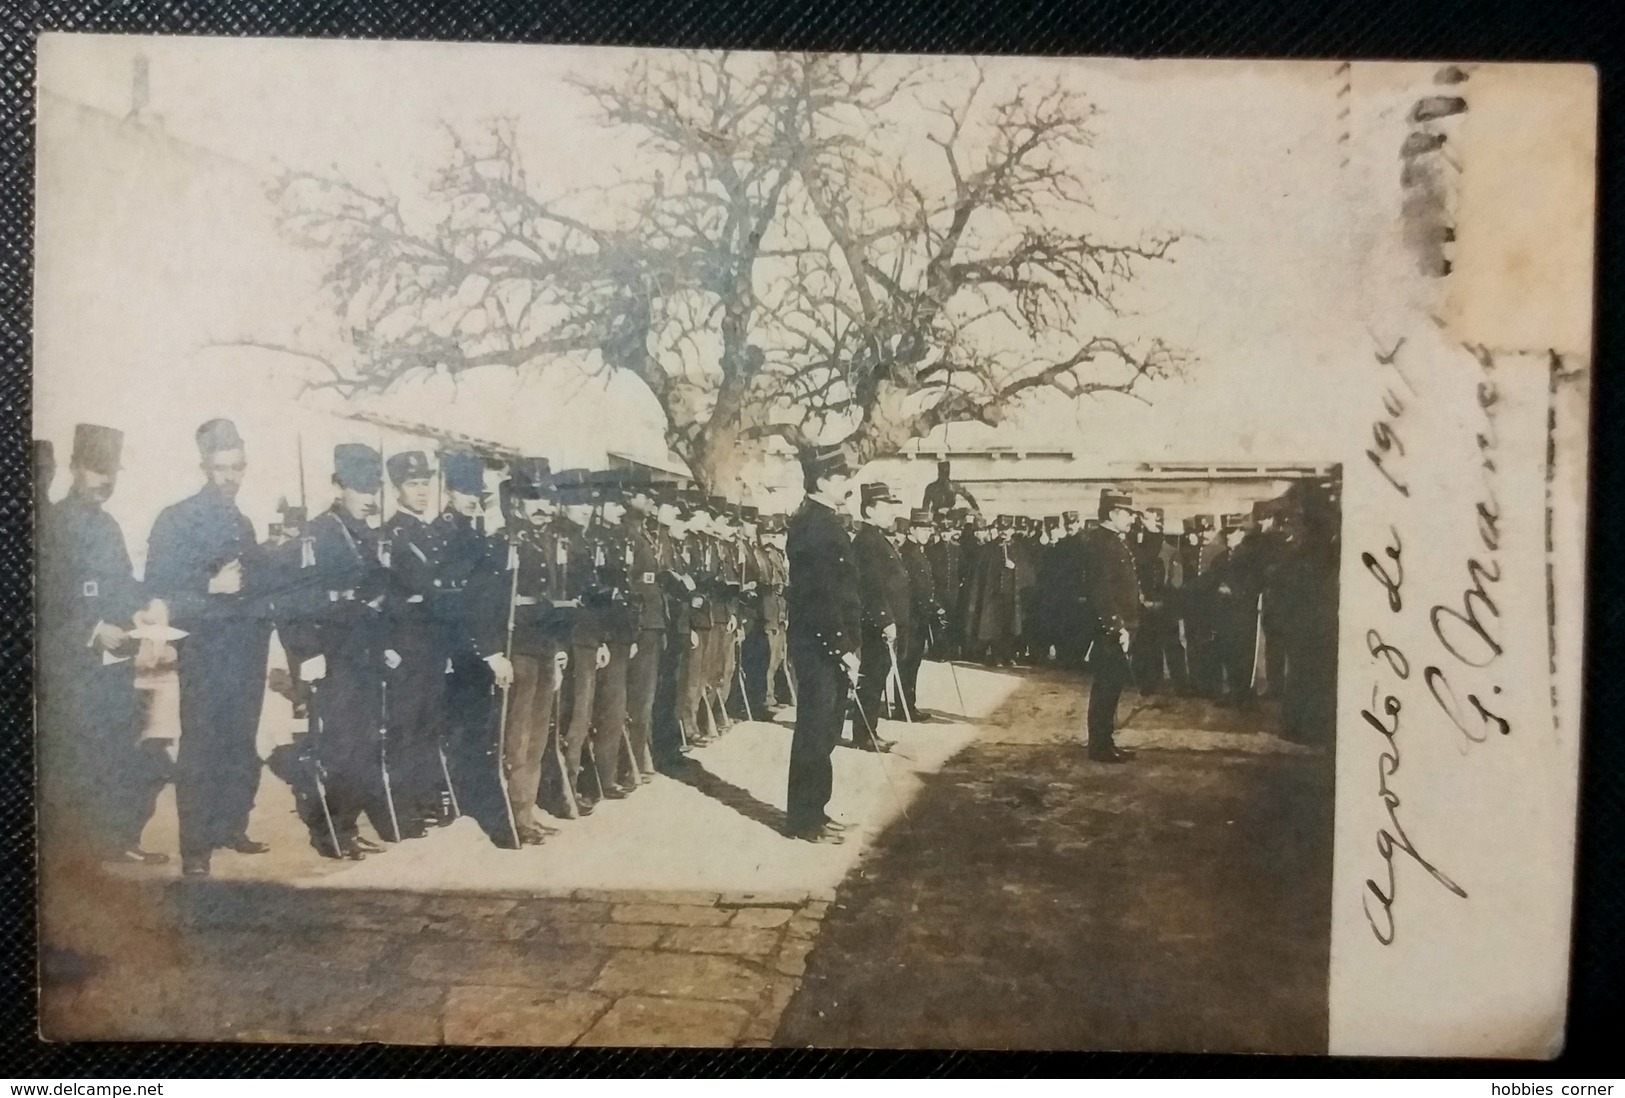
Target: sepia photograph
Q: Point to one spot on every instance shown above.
(557, 546)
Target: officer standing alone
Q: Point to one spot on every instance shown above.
(1113, 594)
(825, 619)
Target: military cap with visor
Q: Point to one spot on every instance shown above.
(409, 465)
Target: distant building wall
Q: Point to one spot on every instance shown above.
(1047, 482)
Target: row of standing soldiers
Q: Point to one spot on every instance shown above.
(444, 669)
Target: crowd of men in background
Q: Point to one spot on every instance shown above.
(540, 653)
(1232, 607)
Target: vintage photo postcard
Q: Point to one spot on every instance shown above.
(562, 546)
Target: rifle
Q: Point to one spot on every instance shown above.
(383, 757)
(321, 788)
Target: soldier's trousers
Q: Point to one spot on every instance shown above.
(821, 690)
(417, 720)
(222, 674)
(1275, 651)
(692, 683)
(99, 785)
(582, 676)
(727, 663)
(1110, 673)
(1156, 646)
(874, 668)
(777, 664)
(1206, 671)
(666, 738)
(530, 726)
(474, 715)
(345, 709)
(755, 656)
(642, 683)
(1237, 642)
(910, 655)
(609, 732)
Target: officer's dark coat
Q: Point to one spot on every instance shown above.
(922, 584)
(823, 599)
(993, 608)
(1111, 587)
(882, 579)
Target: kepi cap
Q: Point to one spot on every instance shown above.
(409, 465)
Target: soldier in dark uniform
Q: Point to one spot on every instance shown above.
(332, 617)
(471, 610)
(1196, 606)
(884, 591)
(1113, 594)
(1236, 580)
(1306, 585)
(946, 553)
(579, 598)
(100, 789)
(994, 621)
(1071, 623)
(708, 621)
(609, 548)
(651, 556)
(825, 623)
(926, 615)
(540, 643)
(419, 767)
(671, 727)
(1157, 654)
(943, 494)
(1270, 545)
(204, 562)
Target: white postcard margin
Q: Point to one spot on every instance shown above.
(1463, 565)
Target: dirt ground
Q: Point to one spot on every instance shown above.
(1034, 899)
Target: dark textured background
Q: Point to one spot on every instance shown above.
(1422, 29)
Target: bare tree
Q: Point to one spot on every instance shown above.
(791, 255)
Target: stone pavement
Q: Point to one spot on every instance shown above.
(220, 961)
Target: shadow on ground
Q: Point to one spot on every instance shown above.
(1033, 899)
